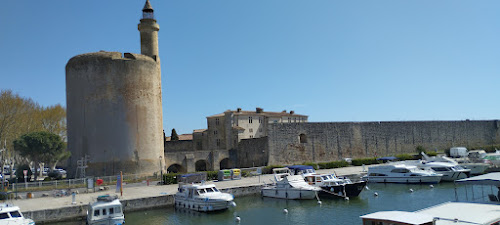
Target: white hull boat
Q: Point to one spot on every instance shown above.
(289, 186)
(202, 197)
(107, 210)
(10, 214)
(474, 167)
(401, 173)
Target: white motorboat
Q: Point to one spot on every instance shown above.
(10, 214)
(107, 210)
(201, 197)
(449, 171)
(331, 184)
(288, 186)
(401, 173)
(474, 166)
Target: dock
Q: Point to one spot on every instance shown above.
(135, 198)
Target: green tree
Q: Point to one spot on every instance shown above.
(40, 146)
(174, 136)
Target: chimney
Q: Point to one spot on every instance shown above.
(292, 112)
(238, 110)
(259, 110)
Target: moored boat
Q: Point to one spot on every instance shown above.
(288, 186)
(331, 185)
(106, 210)
(400, 173)
(449, 171)
(11, 214)
(201, 197)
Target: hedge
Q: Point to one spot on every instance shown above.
(365, 161)
(314, 165)
(334, 164)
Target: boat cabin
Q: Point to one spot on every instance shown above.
(105, 207)
(195, 190)
(9, 212)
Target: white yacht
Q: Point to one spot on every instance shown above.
(331, 184)
(107, 210)
(201, 197)
(449, 171)
(288, 186)
(10, 214)
(475, 167)
(401, 173)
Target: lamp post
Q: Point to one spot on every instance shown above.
(161, 170)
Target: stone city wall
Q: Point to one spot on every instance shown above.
(323, 142)
(252, 152)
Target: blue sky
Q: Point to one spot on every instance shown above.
(385, 60)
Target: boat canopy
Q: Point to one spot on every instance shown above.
(388, 158)
(486, 179)
(300, 167)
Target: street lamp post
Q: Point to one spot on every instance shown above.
(161, 170)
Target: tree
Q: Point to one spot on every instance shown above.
(174, 136)
(53, 119)
(40, 146)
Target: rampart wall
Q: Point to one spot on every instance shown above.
(324, 142)
(253, 152)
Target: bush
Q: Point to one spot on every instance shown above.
(269, 169)
(170, 178)
(403, 157)
(212, 175)
(314, 165)
(245, 173)
(420, 149)
(20, 174)
(366, 161)
(334, 164)
(6, 195)
(432, 153)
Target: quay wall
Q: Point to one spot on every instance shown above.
(292, 143)
(79, 212)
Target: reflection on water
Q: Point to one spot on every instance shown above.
(266, 211)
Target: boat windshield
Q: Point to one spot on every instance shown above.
(4, 216)
(440, 169)
(458, 168)
(325, 177)
(15, 214)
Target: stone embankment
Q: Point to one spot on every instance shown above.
(50, 209)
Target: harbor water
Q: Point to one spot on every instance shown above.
(254, 209)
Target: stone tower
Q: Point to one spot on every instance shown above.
(149, 32)
(114, 102)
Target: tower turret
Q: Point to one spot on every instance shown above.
(149, 32)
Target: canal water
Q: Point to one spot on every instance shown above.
(266, 211)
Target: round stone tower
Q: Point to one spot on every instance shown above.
(114, 108)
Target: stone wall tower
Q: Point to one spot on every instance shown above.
(114, 107)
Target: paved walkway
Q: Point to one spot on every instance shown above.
(36, 204)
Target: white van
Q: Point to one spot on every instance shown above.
(458, 152)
